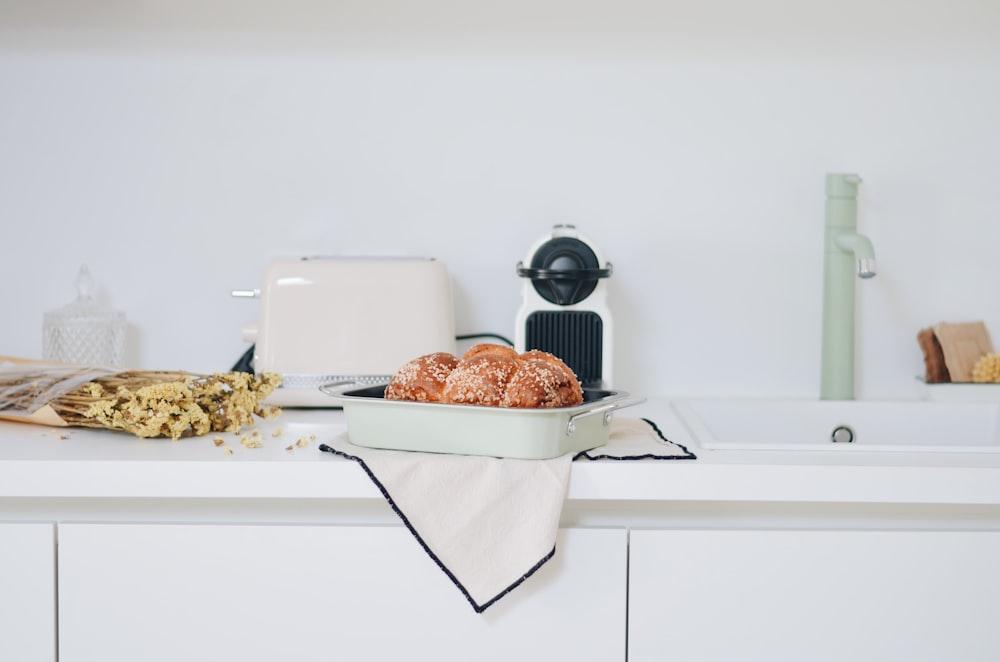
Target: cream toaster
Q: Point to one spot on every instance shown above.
(352, 320)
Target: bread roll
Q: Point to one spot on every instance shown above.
(422, 379)
(488, 375)
(480, 380)
(542, 381)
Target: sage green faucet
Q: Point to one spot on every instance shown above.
(847, 254)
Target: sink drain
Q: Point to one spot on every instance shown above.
(842, 434)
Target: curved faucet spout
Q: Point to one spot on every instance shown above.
(861, 247)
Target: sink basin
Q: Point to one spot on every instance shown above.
(851, 425)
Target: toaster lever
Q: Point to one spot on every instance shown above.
(246, 294)
(338, 387)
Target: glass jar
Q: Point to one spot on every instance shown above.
(84, 331)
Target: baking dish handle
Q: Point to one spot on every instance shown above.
(607, 410)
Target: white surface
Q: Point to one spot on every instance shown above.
(166, 593)
(179, 146)
(902, 426)
(237, 550)
(963, 392)
(37, 462)
(27, 592)
(865, 596)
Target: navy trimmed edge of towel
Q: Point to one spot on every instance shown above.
(480, 608)
(595, 454)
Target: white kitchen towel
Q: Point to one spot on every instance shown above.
(490, 523)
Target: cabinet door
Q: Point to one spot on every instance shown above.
(27, 592)
(240, 592)
(814, 595)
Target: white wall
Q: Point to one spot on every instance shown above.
(177, 147)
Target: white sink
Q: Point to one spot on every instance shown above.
(913, 426)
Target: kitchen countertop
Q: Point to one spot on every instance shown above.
(66, 463)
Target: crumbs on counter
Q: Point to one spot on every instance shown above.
(255, 439)
(249, 441)
(301, 442)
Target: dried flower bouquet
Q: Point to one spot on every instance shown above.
(144, 403)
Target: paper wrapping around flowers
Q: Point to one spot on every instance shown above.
(45, 415)
(27, 387)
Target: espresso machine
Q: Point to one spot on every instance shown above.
(565, 309)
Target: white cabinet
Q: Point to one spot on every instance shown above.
(171, 592)
(814, 595)
(27, 592)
